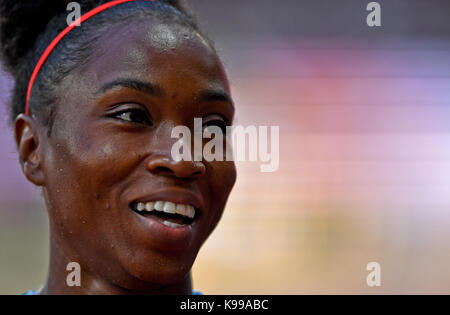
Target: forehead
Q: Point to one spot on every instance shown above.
(155, 51)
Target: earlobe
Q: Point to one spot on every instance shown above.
(28, 146)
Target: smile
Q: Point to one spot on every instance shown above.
(170, 214)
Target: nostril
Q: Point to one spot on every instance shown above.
(183, 169)
(197, 173)
(179, 171)
(199, 169)
(163, 170)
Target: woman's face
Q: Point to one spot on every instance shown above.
(110, 149)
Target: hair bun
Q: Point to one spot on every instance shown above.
(21, 22)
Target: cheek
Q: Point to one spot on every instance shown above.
(85, 176)
(101, 157)
(222, 177)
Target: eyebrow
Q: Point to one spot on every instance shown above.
(215, 96)
(152, 89)
(141, 86)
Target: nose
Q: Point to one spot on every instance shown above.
(164, 166)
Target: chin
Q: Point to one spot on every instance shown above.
(157, 272)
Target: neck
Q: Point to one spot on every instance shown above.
(93, 283)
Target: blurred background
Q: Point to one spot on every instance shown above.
(364, 116)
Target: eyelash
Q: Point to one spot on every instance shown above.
(216, 122)
(146, 119)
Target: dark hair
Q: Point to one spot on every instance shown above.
(27, 27)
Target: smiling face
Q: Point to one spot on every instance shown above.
(110, 151)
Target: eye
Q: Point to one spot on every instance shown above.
(134, 115)
(218, 123)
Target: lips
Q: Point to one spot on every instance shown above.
(169, 218)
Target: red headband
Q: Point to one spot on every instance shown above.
(61, 35)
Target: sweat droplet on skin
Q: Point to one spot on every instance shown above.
(168, 37)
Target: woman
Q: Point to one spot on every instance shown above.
(93, 129)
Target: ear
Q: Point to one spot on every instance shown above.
(27, 141)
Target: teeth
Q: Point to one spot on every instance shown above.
(159, 205)
(149, 206)
(190, 211)
(172, 225)
(167, 207)
(181, 209)
(140, 206)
